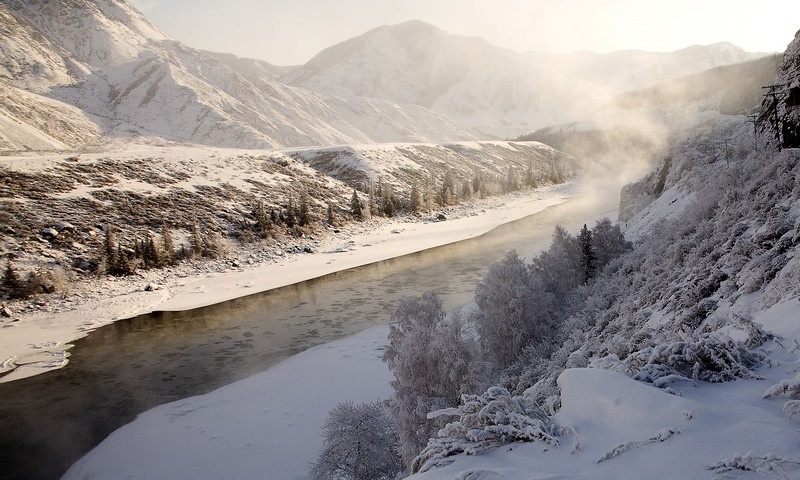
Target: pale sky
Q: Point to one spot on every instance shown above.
(289, 32)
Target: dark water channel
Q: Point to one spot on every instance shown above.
(49, 421)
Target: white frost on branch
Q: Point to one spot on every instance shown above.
(660, 436)
(769, 465)
(789, 388)
(487, 421)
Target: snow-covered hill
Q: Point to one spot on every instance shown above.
(134, 191)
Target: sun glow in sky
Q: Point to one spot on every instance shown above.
(291, 32)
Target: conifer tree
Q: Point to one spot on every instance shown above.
(430, 193)
(263, 221)
(512, 182)
(415, 202)
(167, 245)
(291, 215)
(447, 194)
(609, 242)
(12, 282)
(466, 191)
(197, 239)
(330, 215)
(530, 177)
(373, 203)
(153, 253)
(303, 216)
(388, 201)
(110, 257)
(356, 208)
(588, 259)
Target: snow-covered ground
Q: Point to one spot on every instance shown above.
(269, 425)
(36, 342)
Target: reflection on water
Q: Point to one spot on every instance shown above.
(132, 365)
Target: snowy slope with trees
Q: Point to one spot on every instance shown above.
(612, 353)
(708, 296)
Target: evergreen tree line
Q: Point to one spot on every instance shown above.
(382, 200)
(119, 259)
(263, 223)
(436, 356)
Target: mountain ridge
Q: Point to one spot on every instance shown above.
(416, 83)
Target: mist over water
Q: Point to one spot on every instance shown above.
(132, 365)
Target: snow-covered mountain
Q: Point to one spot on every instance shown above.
(106, 73)
(132, 80)
(494, 90)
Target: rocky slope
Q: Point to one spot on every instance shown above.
(55, 210)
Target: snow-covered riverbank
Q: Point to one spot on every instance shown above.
(269, 425)
(37, 338)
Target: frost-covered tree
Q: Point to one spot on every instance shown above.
(478, 185)
(485, 422)
(360, 444)
(196, 238)
(433, 360)
(373, 202)
(304, 212)
(290, 218)
(430, 192)
(331, 215)
(513, 310)
(511, 182)
(608, 242)
(264, 222)
(530, 176)
(558, 268)
(447, 194)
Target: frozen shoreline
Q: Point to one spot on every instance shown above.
(37, 339)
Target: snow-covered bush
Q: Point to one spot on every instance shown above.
(484, 422)
(711, 358)
(434, 360)
(360, 444)
(788, 388)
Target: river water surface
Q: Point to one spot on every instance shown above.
(49, 421)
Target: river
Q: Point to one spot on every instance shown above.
(49, 421)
